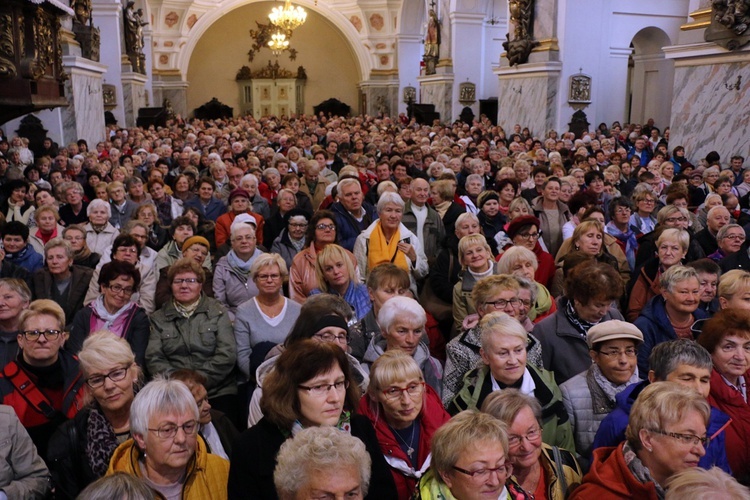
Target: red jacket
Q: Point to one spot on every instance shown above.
(224, 226)
(609, 478)
(730, 401)
(432, 417)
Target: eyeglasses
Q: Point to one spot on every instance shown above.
(532, 435)
(672, 220)
(297, 224)
(115, 376)
(329, 337)
(322, 227)
(737, 237)
(648, 200)
(622, 210)
(128, 290)
(321, 390)
(180, 281)
(686, 439)
(244, 238)
(170, 430)
(395, 393)
(630, 352)
(74, 238)
(266, 277)
(484, 474)
(525, 302)
(33, 335)
(502, 303)
(530, 236)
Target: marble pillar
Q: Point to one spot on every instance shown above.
(409, 56)
(438, 90)
(468, 27)
(107, 16)
(711, 94)
(84, 116)
(134, 96)
(380, 96)
(528, 96)
(174, 88)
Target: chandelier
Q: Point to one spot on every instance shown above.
(289, 17)
(278, 42)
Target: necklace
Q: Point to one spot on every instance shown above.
(409, 445)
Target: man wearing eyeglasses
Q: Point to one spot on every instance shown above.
(43, 385)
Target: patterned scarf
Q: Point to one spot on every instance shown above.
(580, 324)
(101, 442)
(640, 471)
(187, 310)
(629, 238)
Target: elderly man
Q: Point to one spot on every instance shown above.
(313, 186)
(423, 220)
(322, 462)
(717, 218)
(353, 215)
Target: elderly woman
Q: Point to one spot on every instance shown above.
(590, 395)
(322, 460)
(311, 386)
(167, 207)
(276, 223)
(194, 331)
(619, 227)
(539, 470)
(469, 460)
(321, 231)
(730, 239)
(16, 206)
(524, 232)
(158, 236)
(444, 275)
(670, 216)
(491, 219)
(476, 261)
(402, 321)
(589, 237)
(552, 214)
(590, 291)
(232, 282)
(672, 246)
(726, 337)
(405, 413)
(672, 314)
(14, 298)
(520, 261)
(643, 219)
(291, 240)
(60, 280)
(75, 234)
(180, 230)
(443, 193)
(203, 226)
(47, 227)
(666, 435)
(80, 449)
(114, 310)
(266, 318)
(100, 234)
(504, 365)
(323, 318)
(702, 483)
(337, 275)
(388, 240)
(165, 451)
(195, 248)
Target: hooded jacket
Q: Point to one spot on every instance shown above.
(609, 478)
(431, 418)
(206, 477)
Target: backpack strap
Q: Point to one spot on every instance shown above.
(560, 471)
(30, 392)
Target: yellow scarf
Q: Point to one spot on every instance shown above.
(381, 251)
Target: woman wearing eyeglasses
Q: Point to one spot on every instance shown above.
(165, 452)
(666, 434)
(321, 231)
(82, 256)
(469, 460)
(114, 310)
(727, 337)
(524, 232)
(80, 449)
(539, 469)
(405, 412)
(311, 385)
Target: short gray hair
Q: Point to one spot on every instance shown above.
(475, 177)
(667, 356)
(117, 485)
(97, 203)
(314, 450)
(61, 243)
(401, 307)
(389, 197)
(160, 396)
(249, 177)
(722, 233)
(676, 274)
(679, 235)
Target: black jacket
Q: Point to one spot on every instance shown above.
(79, 284)
(254, 459)
(66, 457)
(737, 260)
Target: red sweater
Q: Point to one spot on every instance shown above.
(730, 401)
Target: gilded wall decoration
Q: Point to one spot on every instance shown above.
(7, 49)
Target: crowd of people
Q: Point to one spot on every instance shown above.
(328, 307)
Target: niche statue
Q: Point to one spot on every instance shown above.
(134, 23)
(522, 18)
(432, 43)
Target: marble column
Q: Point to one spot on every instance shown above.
(170, 85)
(107, 16)
(410, 50)
(134, 96)
(380, 95)
(84, 116)
(469, 29)
(438, 90)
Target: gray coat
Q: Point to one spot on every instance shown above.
(23, 474)
(231, 289)
(433, 232)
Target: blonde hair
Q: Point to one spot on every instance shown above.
(499, 323)
(696, 482)
(469, 241)
(42, 307)
(392, 366)
(513, 256)
(732, 282)
(331, 253)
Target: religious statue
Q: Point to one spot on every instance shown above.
(83, 28)
(733, 14)
(134, 23)
(82, 11)
(522, 19)
(432, 41)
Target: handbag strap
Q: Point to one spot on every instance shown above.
(560, 471)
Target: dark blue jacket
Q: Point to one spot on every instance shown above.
(28, 258)
(656, 328)
(213, 211)
(612, 429)
(347, 227)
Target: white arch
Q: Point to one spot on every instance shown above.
(336, 18)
